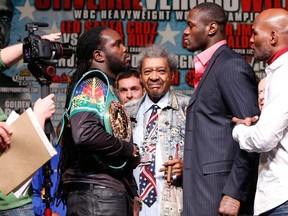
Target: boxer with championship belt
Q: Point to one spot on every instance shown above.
(98, 154)
(93, 94)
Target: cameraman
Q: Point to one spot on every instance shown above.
(43, 108)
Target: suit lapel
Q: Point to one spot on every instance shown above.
(192, 99)
(210, 64)
(206, 72)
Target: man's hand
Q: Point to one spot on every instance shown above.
(228, 206)
(177, 168)
(44, 108)
(52, 36)
(5, 133)
(247, 121)
(136, 206)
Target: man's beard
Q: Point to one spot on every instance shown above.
(116, 65)
(262, 54)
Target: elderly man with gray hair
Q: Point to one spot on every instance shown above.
(158, 120)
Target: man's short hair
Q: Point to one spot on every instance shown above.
(127, 74)
(158, 51)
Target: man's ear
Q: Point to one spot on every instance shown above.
(213, 26)
(274, 38)
(98, 56)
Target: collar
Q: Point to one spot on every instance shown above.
(206, 55)
(162, 103)
(139, 106)
(276, 64)
(276, 55)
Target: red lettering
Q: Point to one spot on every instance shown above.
(120, 4)
(136, 5)
(138, 27)
(241, 42)
(55, 79)
(130, 27)
(57, 5)
(142, 27)
(78, 5)
(140, 40)
(42, 4)
(88, 25)
(127, 4)
(65, 4)
(61, 79)
(244, 29)
(259, 5)
(131, 40)
(123, 4)
(229, 29)
(255, 5)
(278, 4)
(102, 4)
(91, 5)
(146, 28)
(154, 27)
(141, 33)
(69, 26)
(117, 26)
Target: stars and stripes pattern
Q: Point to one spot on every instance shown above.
(148, 191)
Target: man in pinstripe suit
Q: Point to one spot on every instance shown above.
(217, 175)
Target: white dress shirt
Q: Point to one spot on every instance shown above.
(269, 137)
(138, 134)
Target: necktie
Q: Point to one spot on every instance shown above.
(148, 191)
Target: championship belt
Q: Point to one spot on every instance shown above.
(91, 94)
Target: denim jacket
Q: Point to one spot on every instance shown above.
(171, 129)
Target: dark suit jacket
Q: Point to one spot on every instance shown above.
(213, 162)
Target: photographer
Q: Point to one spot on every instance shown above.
(43, 108)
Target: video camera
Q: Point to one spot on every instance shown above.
(37, 49)
(42, 54)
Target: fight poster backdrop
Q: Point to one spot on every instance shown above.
(140, 22)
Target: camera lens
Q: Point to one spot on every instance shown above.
(61, 50)
(67, 50)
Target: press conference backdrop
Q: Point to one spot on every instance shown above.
(140, 22)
